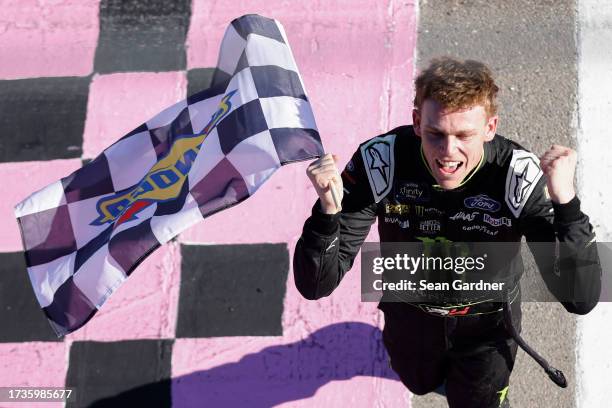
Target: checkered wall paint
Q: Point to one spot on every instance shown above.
(212, 316)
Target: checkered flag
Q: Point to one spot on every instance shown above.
(84, 234)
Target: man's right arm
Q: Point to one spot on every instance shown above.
(329, 242)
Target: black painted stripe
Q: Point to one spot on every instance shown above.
(21, 315)
(232, 290)
(142, 35)
(120, 374)
(42, 118)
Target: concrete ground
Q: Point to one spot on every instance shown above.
(531, 47)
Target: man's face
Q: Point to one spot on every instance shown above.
(453, 141)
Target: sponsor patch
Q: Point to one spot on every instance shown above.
(422, 211)
(395, 220)
(397, 208)
(482, 202)
(463, 216)
(430, 309)
(430, 226)
(523, 175)
(459, 312)
(379, 164)
(412, 192)
(497, 222)
(481, 228)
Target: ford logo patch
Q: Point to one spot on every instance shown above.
(482, 202)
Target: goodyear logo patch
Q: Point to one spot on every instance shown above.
(164, 181)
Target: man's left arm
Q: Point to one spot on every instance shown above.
(553, 214)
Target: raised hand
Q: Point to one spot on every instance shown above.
(323, 174)
(559, 166)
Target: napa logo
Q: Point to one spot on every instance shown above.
(164, 180)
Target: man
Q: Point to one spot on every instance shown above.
(449, 177)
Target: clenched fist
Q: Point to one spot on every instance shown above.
(324, 176)
(559, 166)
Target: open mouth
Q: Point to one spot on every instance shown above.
(448, 167)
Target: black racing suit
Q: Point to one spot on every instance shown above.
(503, 199)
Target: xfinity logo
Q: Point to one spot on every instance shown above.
(482, 202)
(412, 192)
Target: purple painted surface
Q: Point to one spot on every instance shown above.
(267, 372)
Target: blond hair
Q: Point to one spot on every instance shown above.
(457, 84)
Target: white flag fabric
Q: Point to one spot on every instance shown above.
(84, 234)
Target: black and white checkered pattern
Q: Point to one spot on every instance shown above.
(223, 142)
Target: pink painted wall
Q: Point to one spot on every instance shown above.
(47, 38)
(34, 364)
(118, 103)
(356, 60)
